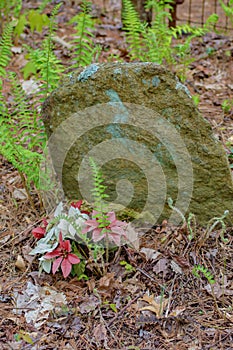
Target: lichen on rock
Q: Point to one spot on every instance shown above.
(141, 124)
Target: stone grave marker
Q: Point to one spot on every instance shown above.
(139, 123)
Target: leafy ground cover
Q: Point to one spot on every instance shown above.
(168, 292)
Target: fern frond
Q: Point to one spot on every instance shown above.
(25, 161)
(5, 48)
(134, 29)
(210, 23)
(22, 135)
(98, 190)
(49, 66)
(228, 9)
(44, 62)
(43, 5)
(10, 8)
(205, 272)
(28, 129)
(84, 45)
(50, 56)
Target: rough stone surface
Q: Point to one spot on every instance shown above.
(164, 108)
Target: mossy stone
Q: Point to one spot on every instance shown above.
(151, 87)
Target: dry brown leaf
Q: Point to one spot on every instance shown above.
(20, 263)
(133, 285)
(106, 281)
(100, 332)
(151, 254)
(132, 237)
(161, 266)
(175, 267)
(90, 304)
(177, 311)
(156, 306)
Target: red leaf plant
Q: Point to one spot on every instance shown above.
(113, 230)
(65, 258)
(39, 232)
(77, 205)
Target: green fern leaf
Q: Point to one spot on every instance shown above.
(134, 29)
(85, 49)
(5, 48)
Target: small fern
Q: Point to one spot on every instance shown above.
(228, 9)
(43, 5)
(51, 60)
(43, 62)
(155, 43)
(99, 189)
(5, 49)
(10, 8)
(22, 135)
(134, 29)
(205, 272)
(85, 49)
(158, 38)
(171, 206)
(213, 223)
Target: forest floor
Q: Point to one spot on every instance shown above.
(181, 311)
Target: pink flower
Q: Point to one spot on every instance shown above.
(64, 257)
(114, 228)
(39, 232)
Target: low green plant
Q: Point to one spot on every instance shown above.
(25, 336)
(75, 237)
(155, 43)
(22, 135)
(103, 221)
(215, 222)
(227, 106)
(110, 305)
(191, 221)
(5, 50)
(196, 100)
(43, 62)
(10, 9)
(34, 19)
(85, 49)
(45, 66)
(128, 267)
(228, 9)
(230, 156)
(134, 29)
(192, 226)
(22, 132)
(207, 274)
(171, 206)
